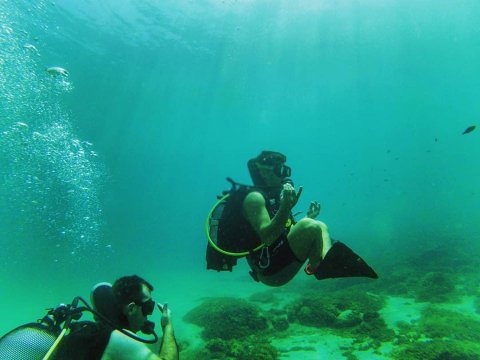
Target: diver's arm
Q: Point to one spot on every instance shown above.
(257, 215)
(169, 348)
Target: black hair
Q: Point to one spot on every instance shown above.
(129, 289)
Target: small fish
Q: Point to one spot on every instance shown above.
(7, 29)
(469, 129)
(31, 48)
(37, 135)
(55, 70)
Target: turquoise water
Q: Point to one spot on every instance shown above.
(112, 169)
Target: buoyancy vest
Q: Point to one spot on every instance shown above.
(233, 232)
(87, 340)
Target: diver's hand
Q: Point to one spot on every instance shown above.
(166, 315)
(289, 197)
(168, 347)
(313, 210)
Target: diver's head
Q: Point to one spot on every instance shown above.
(269, 170)
(134, 299)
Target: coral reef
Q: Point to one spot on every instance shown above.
(438, 350)
(435, 287)
(227, 318)
(247, 349)
(437, 323)
(437, 274)
(280, 323)
(439, 335)
(447, 329)
(233, 329)
(348, 313)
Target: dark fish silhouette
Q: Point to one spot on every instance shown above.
(469, 129)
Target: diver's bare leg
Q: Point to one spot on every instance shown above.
(310, 239)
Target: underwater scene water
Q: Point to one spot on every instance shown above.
(121, 119)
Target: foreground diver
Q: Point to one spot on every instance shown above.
(134, 304)
(277, 247)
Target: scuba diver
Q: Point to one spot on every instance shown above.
(120, 311)
(133, 298)
(257, 222)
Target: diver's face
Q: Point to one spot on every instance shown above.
(136, 314)
(268, 174)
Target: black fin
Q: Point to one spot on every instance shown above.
(341, 261)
